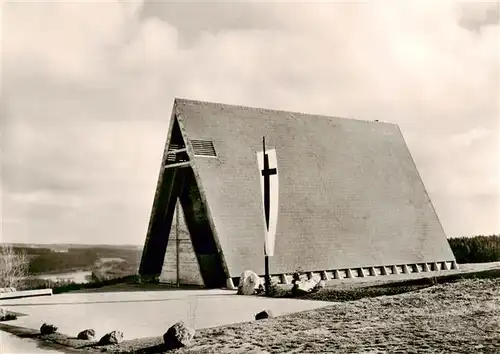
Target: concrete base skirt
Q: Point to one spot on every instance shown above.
(371, 271)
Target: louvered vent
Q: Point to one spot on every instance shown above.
(203, 148)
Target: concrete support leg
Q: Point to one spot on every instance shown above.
(336, 274)
(426, 267)
(284, 279)
(230, 284)
(445, 266)
(309, 275)
(361, 272)
(405, 269)
(454, 265)
(417, 269)
(373, 273)
(395, 269)
(324, 275)
(435, 266)
(383, 270)
(348, 273)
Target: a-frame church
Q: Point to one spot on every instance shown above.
(351, 201)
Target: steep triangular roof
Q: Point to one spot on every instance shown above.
(350, 193)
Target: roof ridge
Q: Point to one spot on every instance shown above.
(269, 110)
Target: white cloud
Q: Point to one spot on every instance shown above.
(89, 88)
(466, 139)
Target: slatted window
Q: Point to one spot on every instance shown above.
(172, 147)
(204, 148)
(174, 155)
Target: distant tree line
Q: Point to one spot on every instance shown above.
(74, 259)
(477, 249)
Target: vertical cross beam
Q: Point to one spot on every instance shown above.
(266, 173)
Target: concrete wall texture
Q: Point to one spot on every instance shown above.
(188, 270)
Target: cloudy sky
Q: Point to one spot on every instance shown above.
(87, 91)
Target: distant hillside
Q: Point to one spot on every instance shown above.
(61, 258)
(72, 245)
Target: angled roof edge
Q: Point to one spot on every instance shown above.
(426, 191)
(269, 110)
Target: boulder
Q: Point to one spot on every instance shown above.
(113, 337)
(177, 336)
(305, 286)
(87, 334)
(263, 315)
(299, 289)
(261, 289)
(321, 284)
(250, 283)
(6, 316)
(316, 278)
(48, 329)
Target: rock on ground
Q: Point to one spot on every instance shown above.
(6, 316)
(48, 329)
(179, 335)
(320, 285)
(263, 315)
(306, 286)
(113, 337)
(87, 334)
(249, 283)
